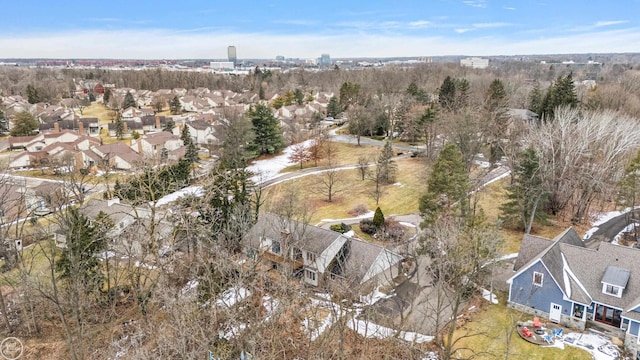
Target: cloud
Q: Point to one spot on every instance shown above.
(463, 30)
(476, 3)
(300, 22)
(165, 44)
(419, 23)
(490, 25)
(609, 23)
(508, 8)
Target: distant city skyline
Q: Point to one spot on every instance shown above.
(378, 28)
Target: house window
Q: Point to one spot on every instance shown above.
(311, 257)
(311, 275)
(275, 247)
(612, 290)
(537, 278)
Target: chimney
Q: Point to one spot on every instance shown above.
(158, 122)
(80, 128)
(115, 200)
(56, 127)
(124, 127)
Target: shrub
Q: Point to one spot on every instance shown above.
(358, 210)
(393, 231)
(367, 227)
(341, 228)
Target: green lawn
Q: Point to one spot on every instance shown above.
(399, 198)
(493, 322)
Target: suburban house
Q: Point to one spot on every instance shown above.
(117, 156)
(202, 132)
(128, 126)
(156, 145)
(577, 285)
(132, 113)
(319, 255)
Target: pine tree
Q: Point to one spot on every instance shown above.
(268, 138)
(169, 125)
(349, 94)
(32, 94)
(299, 97)
(129, 101)
(378, 218)
(119, 127)
(333, 107)
(387, 167)
(106, 96)
(462, 94)
(174, 106)
(496, 107)
(525, 193)
(535, 99)
(78, 261)
(447, 186)
(447, 94)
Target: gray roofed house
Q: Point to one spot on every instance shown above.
(576, 285)
(318, 255)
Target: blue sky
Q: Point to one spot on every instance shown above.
(305, 29)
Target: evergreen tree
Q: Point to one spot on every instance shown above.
(333, 107)
(174, 106)
(129, 101)
(78, 261)
(119, 126)
(447, 186)
(349, 94)
(24, 124)
(535, 99)
(629, 184)
(462, 94)
(106, 96)
(299, 97)
(525, 193)
(191, 155)
(447, 94)
(236, 144)
(32, 95)
(378, 218)
(4, 126)
(261, 95)
(496, 112)
(169, 125)
(561, 93)
(268, 138)
(387, 167)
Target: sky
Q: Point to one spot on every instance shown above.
(195, 29)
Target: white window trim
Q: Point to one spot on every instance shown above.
(618, 294)
(541, 278)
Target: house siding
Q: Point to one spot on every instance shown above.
(536, 300)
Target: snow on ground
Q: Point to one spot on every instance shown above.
(374, 297)
(599, 346)
(192, 284)
(232, 296)
(321, 316)
(189, 190)
(368, 214)
(628, 228)
(271, 305)
(371, 330)
(601, 219)
(489, 296)
(270, 168)
(407, 224)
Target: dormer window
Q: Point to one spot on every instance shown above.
(612, 290)
(615, 280)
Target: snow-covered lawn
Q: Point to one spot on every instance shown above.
(189, 190)
(270, 168)
(600, 347)
(371, 330)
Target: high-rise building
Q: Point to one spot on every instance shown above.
(231, 54)
(325, 60)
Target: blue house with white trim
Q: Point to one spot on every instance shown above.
(572, 284)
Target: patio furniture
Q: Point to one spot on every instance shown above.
(540, 331)
(548, 339)
(536, 322)
(558, 333)
(526, 332)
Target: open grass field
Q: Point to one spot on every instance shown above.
(100, 111)
(493, 323)
(399, 198)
